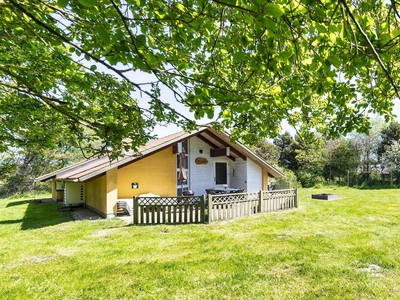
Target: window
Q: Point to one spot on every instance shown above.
(182, 185)
(221, 173)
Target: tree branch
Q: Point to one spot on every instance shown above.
(375, 53)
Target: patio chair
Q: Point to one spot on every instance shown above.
(210, 191)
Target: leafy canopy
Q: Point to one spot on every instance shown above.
(248, 64)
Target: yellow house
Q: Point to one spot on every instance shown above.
(205, 156)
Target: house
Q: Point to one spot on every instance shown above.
(205, 158)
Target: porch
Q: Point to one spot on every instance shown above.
(200, 209)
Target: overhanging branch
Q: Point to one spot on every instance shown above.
(374, 52)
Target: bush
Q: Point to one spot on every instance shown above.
(309, 179)
(290, 179)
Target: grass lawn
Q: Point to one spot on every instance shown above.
(341, 249)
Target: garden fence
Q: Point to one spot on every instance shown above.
(168, 210)
(192, 209)
(230, 206)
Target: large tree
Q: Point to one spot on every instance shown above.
(389, 135)
(367, 144)
(286, 146)
(311, 160)
(246, 64)
(267, 150)
(391, 158)
(342, 156)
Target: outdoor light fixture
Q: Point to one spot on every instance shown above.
(201, 150)
(135, 185)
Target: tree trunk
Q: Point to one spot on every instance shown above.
(20, 177)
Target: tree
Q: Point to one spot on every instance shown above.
(391, 157)
(389, 135)
(246, 64)
(368, 143)
(311, 160)
(267, 151)
(286, 147)
(19, 167)
(342, 156)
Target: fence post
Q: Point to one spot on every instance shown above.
(202, 209)
(260, 201)
(295, 198)
(135, 210)
(210, 209)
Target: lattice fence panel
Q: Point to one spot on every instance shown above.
(168, 210)
(230, 206)
(279, 200)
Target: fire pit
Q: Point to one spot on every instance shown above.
(325, 196)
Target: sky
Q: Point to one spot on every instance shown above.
(168, 96)
(163, 131)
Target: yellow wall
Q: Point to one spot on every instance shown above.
(264, 179)
(96, 195)
(101, 193)
(155, 174)
(53, 189)
(112, 191)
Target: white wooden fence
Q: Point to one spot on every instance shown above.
(191, 209)
(168, 210)
(230, 206)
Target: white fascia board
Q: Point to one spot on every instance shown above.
(251, 154)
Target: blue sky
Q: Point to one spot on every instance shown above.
(168, 96)
(163, 131)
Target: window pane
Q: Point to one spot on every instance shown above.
(221, 173)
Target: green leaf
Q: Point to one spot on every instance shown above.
(274, 10)
(238, 56)
(87, 3)
(276, 89)
(285, 54)
(112, 59)
(395, 33)
(210, 113)
(103, 33)
(227, 115)
(180, 7)
(141, 41)
(334, 61)
(62, 3)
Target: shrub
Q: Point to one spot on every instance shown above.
(309, 179)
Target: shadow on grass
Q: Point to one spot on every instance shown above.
(16, 203)
(39, 213)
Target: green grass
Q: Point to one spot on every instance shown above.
(341, 249)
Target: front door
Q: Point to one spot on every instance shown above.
(221, 173)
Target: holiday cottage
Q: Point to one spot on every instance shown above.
(197, 161)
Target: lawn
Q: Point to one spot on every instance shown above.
(341, 249)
